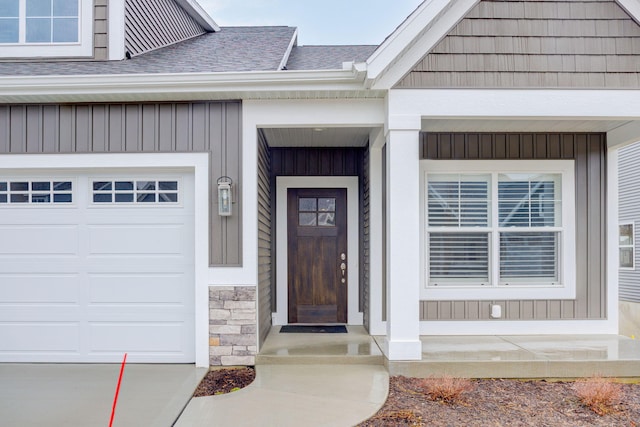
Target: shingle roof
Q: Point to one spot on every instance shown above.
(327, 57)
(231, 49)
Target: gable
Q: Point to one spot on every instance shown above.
(152, 24)
(515, 43)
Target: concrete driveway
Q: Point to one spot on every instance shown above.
(82, 395)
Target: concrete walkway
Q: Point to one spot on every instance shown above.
(295, 395)
(68, 395)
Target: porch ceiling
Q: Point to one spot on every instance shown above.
(497, 125)
(317, 137)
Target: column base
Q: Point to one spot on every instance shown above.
(403, 350)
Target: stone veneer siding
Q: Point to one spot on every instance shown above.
(232, 325)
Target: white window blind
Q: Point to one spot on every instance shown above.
(514, 243)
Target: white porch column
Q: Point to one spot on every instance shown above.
(403, 239)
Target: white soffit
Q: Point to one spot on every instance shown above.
(497, 125)
(317, 137)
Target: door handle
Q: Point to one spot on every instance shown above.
(343, 267)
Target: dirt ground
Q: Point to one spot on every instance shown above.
(490, 403)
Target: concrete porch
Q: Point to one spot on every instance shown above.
(527, 356)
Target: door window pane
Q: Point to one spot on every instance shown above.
(307, 204)
(307, 219)
(326, 219)
(327, 205)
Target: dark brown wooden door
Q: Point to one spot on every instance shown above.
(317, 255)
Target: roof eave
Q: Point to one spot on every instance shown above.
(182, 86)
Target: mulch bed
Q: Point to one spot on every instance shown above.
(501, 403)
(221, 381)
(490, 403)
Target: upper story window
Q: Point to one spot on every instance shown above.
(45, 28)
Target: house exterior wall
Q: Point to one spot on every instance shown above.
(551, 44)
(588, 151)
(212, 127)
(629, 212)
(152, 24)
(266, 282)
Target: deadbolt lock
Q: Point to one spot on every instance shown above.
(343, 256)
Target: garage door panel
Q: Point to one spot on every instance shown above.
(136, 239)
(44, 288)
(87, 282)
(58, 337)
(133, 337)
(42, 312)
(18, 240)
(137, 288)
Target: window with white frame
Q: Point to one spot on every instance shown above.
(45, 28)
(499, 229)
(626, 246)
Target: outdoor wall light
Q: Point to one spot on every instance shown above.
(224, 196)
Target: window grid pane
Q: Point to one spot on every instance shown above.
(458, 257)
(528, 201)
(135, 192)
(463, 202)
(526, 257)
(36, 192)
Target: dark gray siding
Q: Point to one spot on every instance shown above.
(151, 24)
(588, 151)
(365, 232)
(212, 127)
(629, 205)
(265, 260)
(515, 43)
(100, 30)
(320, 162)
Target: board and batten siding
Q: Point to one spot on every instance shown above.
(365, 232)
(629, 212)
(299, 161)
(266, 288)
(515, 43)
(152, 24)
(589, 152)
(212, 127)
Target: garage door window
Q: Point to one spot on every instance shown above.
(36, 192)
(135, 192)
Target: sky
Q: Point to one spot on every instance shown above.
(319, 21)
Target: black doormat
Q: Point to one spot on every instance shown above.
(314, 329)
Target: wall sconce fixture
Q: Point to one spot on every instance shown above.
(224, 196)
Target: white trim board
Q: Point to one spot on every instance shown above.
(196, 162)
(354, 316)
(518, 327)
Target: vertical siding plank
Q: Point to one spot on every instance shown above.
(33, 128)
(166, 140)
(501, 146)
(473, 146)
(98, 142)
(148, 128)
(486, 145)
(582, 221)
(17, 140)
(67, 130)
(513, 146)
(117, 128)
(133, 127)
(5, 128)
(83, 128)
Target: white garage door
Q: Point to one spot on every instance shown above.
(96, 264)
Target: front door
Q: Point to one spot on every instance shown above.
(317, 255)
